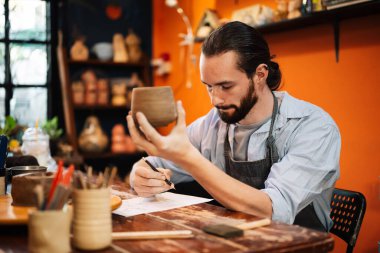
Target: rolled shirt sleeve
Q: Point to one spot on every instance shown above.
(308, 169)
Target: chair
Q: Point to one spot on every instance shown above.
(347, 213)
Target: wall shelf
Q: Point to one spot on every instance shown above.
(333, 17)
(94, 62)
(323, 17)
(110, 155)
(101, 107)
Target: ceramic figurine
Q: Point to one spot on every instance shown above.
(119, 50)
(119, 94)
(133, 45)
(79, 51)
(103, 91)
(118, 139)
(294, 9)
(90, 83)
(92, 138)
(77, 89)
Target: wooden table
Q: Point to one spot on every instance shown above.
(276, 237)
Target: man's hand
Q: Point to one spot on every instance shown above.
(147, 182)
(172, 147)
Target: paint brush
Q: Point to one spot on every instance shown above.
(156, 170)
(227, 231)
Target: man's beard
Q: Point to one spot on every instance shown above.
(246, 104)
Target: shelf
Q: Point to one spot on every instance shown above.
(323, 17)
(100, 107)
(93, 62)
(333, 17)
(109, 155)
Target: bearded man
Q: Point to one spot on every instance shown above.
(258, 151)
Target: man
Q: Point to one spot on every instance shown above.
(258, 151)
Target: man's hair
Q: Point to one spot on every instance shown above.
(250, 46)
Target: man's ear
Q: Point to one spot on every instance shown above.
(262, 72)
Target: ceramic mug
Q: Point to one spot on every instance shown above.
(49, 231)
(92, 223)
(157, 104)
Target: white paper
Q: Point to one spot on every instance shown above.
(160, 202)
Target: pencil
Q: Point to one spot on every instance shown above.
(154, 168)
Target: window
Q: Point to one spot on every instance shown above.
(25, 46)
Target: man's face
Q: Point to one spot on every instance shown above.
(229, 88)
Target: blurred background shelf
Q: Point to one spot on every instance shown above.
(323, 17)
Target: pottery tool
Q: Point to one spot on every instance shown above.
(112, 176)
(145, 235)
(228, 231)
(62, 191)
(156, 170)
(39, 194)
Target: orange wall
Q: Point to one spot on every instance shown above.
(348, 90)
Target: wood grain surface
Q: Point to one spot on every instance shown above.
(276, 237)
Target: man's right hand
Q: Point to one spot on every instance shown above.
(147, 182)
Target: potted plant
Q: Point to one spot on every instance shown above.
(12, 131)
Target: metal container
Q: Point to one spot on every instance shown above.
(17, 170)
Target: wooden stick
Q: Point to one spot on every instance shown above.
(112, 176)
(152, 235)
(254, 224)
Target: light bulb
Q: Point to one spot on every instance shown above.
(171, 3)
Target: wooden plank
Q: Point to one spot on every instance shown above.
(71, 133)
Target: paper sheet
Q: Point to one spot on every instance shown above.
(160, 202)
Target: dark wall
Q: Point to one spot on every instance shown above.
(89, 19)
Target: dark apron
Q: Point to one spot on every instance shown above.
(255, 173)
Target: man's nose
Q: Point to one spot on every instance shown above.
(216, 99)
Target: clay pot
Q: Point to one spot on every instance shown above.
(92, 138)
(157, 104)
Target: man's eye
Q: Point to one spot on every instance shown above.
(226, 87)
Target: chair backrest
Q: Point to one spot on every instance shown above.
(347, 213)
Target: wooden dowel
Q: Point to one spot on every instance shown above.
(152, 235)
(254, 224)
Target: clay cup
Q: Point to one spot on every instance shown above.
(156, 103)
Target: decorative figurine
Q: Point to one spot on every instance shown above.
(92, 138)
(90, 84)
(133, 45)
(294, 8)
(119, 50)
(118, 139)
(79, 51)
(103, 91)
(119, 94)
(77, 89)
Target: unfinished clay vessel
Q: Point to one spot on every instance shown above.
(157, 104)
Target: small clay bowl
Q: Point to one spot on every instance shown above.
(156, 103)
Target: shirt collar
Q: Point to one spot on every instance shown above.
(289, 108)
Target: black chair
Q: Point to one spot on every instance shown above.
(347, 213)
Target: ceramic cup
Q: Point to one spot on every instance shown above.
(157, 104)
(92, 225)
(49, 231)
